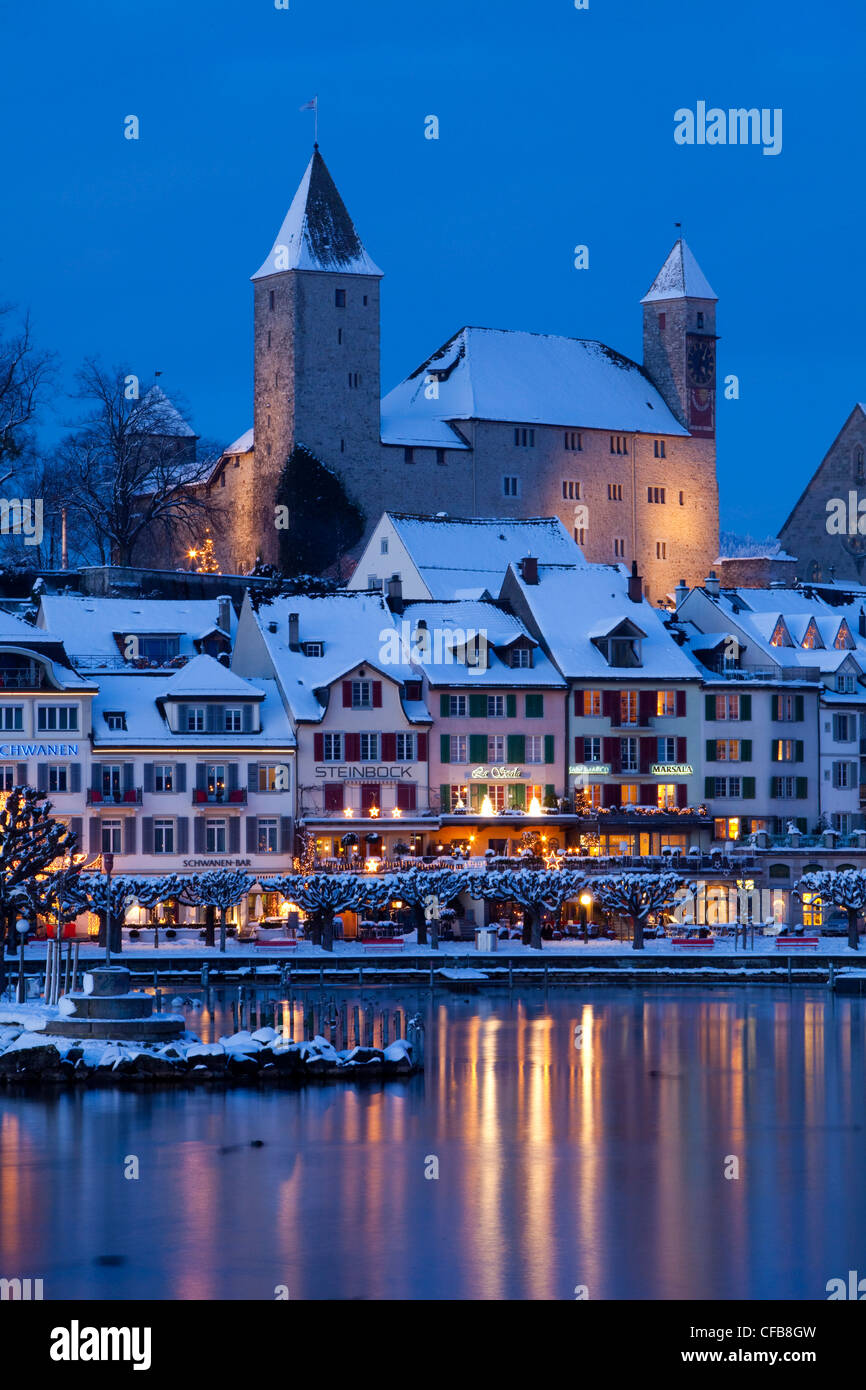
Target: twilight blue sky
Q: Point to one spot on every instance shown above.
(556, 129)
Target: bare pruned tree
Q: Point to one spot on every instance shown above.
(129, 469)
(26, 373)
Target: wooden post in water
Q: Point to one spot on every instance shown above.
(75, 977)
(344, 1024)
(356, 1025)
(159, 1001)
(234, 1009)
(398, 1025)
(384, 1027)
(368, 1025)
(832, 976)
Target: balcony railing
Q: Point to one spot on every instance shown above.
(130, 797)
(766, 673)
(97, 661)
(202, 797)
(22, 678)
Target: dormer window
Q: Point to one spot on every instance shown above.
(195, 719)
(413, 690)
(812, 637)
(232, 720)
(115, 719)
(844, 640)
(781, 636)
(622, 645)
(521, 657)
(313, 648)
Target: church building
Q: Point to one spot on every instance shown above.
(495, 423)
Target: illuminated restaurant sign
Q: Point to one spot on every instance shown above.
(498, 774)
(367, 772)
(38, 750)
(671, 769)
(589, 769)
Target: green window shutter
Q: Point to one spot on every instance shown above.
(773, 791)
(477, 793)
(477, 706)
(710, 706)
(709, 786)
(550, 748)
(745, 750)
(516, 746)
(549, 790)
(798, 750)
(774, 750)
(535, 706)
(802, 788)
(444, 706)
(444, 748)
(748, 788)
(478, 748)
(774, 706)
(445, 797)
(511, 706)
(798, 706)
(711, 750)
(518, 796)
(745, 706)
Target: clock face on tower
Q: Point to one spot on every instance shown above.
(700, 360)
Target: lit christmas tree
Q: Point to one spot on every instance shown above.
(207, 560)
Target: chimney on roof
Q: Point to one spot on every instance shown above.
(681, 593)
(395, 594)
(861, 622)
(711, 584)
(635, 584)
(224, 613)
(529, 569)
(294, 632)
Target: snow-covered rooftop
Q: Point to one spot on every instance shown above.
(680, 277)
(137, 697)
(92, 625)
(466, 558)
(204, 676)
(317, 232)
(160, 416)
(242, 445)
(528, 378)
(462, 619)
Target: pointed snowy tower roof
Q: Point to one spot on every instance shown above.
(679, 278)
(317, 233)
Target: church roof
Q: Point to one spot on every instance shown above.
(679, 278)
(528, 378)
(317, 232)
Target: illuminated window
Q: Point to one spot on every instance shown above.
(667, 795)
(813, 910)
(844, 639)
(592, 702)
(728, 750)
(812, 637)
(628, 707)
(781, 636)
(628, 794)
(727, 706)
(666, 703)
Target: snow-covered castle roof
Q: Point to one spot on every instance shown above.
(680, 277)
(317, 231)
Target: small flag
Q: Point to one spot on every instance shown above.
(310, 105)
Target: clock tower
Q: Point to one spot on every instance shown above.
(679, 341)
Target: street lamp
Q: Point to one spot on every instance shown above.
(585, 901)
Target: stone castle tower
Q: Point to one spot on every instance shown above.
(679, 341)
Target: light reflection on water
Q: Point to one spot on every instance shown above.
(559, 1165)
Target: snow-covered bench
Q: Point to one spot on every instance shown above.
(788, 941)
(382, 943)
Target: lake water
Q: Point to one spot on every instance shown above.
(565, 1158)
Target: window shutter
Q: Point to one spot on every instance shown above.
(682, 750)
(578, 702)
(212, 718)
(95, 834)
(854, 774)
(252, 833)
(648, 794)
(129, 835)
(347, 694)
(745, 706)
(370, 796)
(180, 777)
(611, 706)
(319, 747)
(445, 797)
(96, 777)
(709, 786)
(578, 749)
(511, 706)
(798, 707)
(147, 834)
(42, 777)
(407, 796)
(444, 748)
(798, 750)
(775, 749)
(549, 790)
(76, 825)
(444, 706)
(774, 788)
(609, 794)
(247, 719)
(647, 703)
(711, 750)
(518, 796)
(745, 750)
(535, 706)
(234, 834)
(128, 776)
(775, 706)
(802, 788)
(201, 777)
(148, 777)
(21, 774)
(682, 794)
(198, 834)
(748, 788)
(681, 704)
(232, 774)
(182, 824)
(478, 748)
(253, 775)
(611, 750)
(477, 706)
(709, 707)
(389, 748)
(647, 750)
(550, 748)
(377, 694)
(802, 824)
(516, 748)
(353, 747)
(422, 748)
(333, 796)
(285, 834)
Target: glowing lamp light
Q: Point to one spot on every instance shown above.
(487, 807)
(348, 812)
(585, 899)
(374, 811)
(396, 813)
(535, 807)
(371, 866)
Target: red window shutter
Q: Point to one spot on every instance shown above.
(647, 753)
(319, 747)
(407, 796)
(389, 748)
(682, 794)
(682, 753)
(370, 797)
(352, 744)
(377, 694)
(578, 750)
(611, 751)
(347, 694)
(333, 796)
(647, 704)
(610, 705)
(648, 794)
(578, 702)
(681, 704)
(609, 795)
(422, 748)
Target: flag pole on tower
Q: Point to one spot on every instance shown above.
(314, 107)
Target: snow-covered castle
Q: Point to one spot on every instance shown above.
(494, 423)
